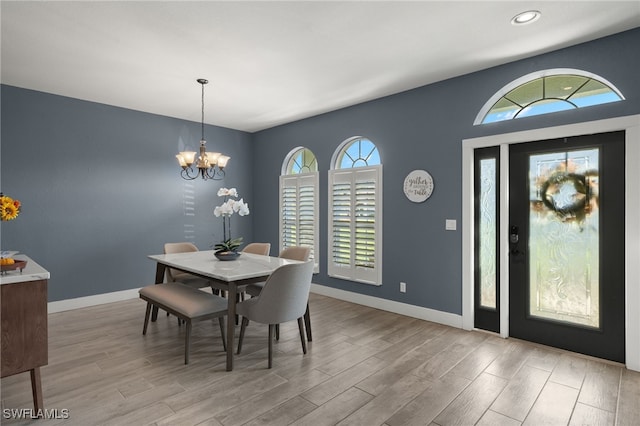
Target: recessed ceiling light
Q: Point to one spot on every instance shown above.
(526, 17)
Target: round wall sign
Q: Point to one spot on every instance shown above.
(418, 186)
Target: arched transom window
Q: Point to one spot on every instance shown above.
(545, 92)
(356, 152)
(300, 160)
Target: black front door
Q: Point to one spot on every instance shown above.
(566, 243)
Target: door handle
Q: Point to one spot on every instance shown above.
(514, 238)
(513, 235)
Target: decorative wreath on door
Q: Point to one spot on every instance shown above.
(568, 195)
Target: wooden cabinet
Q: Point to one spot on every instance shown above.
(24, 331)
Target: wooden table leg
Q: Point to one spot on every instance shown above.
(36, 389)
(231, 324)
(159, 279)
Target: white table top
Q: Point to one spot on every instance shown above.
(247, 266)
(32, 272)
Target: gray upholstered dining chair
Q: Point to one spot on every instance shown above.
(294, 253)
(173, 275)
(283, 298)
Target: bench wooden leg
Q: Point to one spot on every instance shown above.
(224, 340)
(187, 342)
(146, 319)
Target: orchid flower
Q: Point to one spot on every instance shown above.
(226, 210)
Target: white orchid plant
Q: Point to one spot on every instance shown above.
(226, 210)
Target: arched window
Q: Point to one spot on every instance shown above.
(300, 160)
(299, 202)
(356, 152)
(355, 212)
(545, 92)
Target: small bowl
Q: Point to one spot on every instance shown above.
(19, 264)
(227, 255)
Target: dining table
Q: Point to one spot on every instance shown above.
(233, 275)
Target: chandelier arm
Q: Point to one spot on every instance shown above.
(213, 173)
(186, 175)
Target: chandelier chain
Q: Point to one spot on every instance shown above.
(202, 121)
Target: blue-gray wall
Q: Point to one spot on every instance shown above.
(100, 185)
(423, 129)
(101, 190)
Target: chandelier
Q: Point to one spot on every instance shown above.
(208, 165)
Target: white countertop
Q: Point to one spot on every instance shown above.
(32, 272)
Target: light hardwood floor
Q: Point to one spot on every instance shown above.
(364, 367)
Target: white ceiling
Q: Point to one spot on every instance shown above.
(270, 63)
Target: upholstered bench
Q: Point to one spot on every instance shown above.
(188, 304)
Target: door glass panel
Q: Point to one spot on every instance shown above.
(487, 224)
(564, 237)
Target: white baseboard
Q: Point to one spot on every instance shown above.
(98, 299)
(413, 311)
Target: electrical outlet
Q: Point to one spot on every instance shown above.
(403, 287)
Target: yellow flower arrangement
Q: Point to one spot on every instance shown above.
(9, 208)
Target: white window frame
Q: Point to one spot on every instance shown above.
(350, 271)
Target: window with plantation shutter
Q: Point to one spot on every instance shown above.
(299, 203)
(355, 224)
